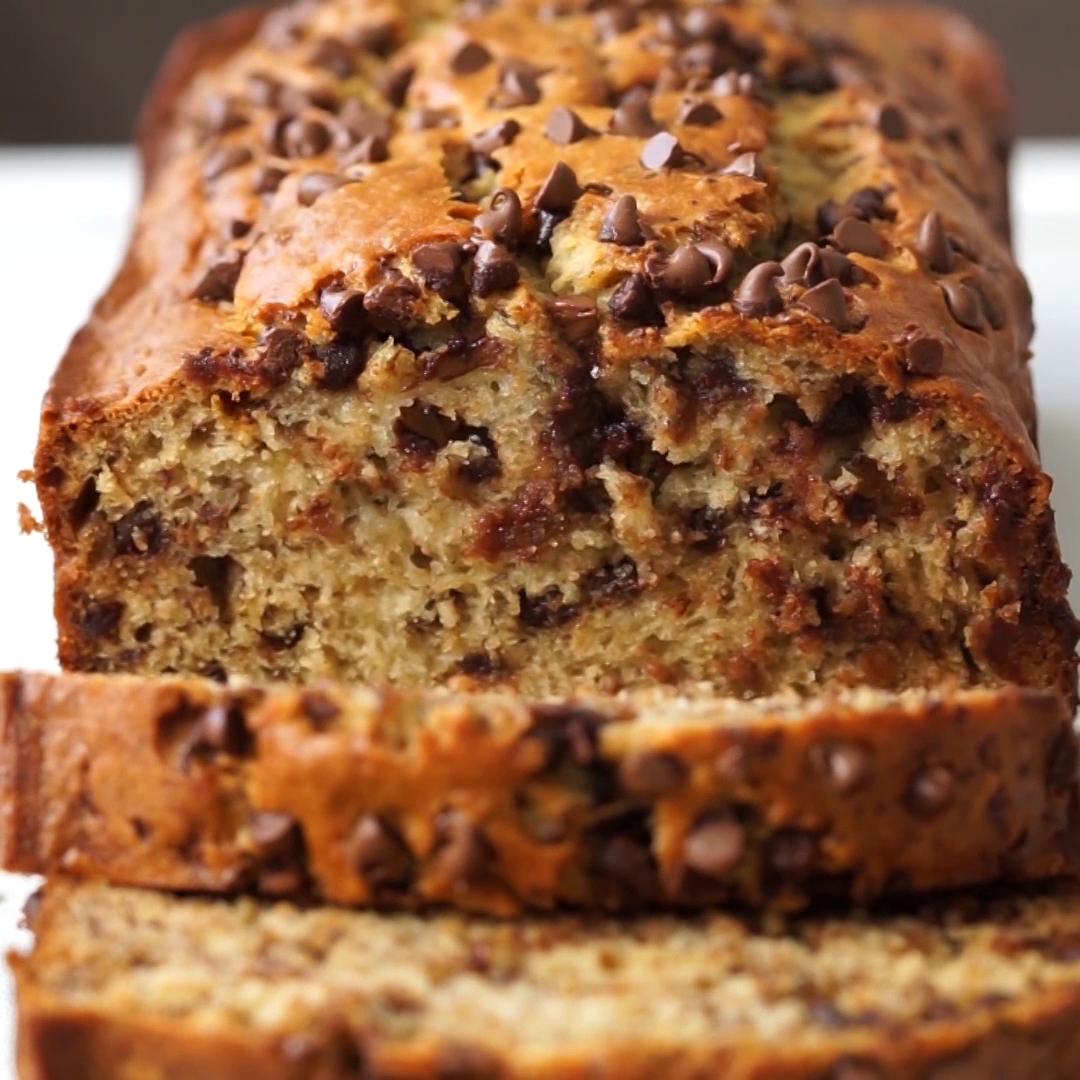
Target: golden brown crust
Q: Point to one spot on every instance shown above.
(494, 803)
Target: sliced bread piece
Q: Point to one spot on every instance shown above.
(495, 803)
(129, 985)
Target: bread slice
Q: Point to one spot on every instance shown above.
(495, 803)
(426, 361)
(132, 985)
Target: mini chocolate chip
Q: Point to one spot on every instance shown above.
(517, 86)
(344, 309)
(931, 791)
(622, 225)
(652, 774)
(845, 765)
(792, 853)
(852, 235)
(468, 58)
(395, 83)
(314, 185)
(439, 265)
(502, 220)
(302, 138)
(924, 355)
(370, 150)
(494, 138)
(934, 246)
(715, 846)
(633, 117)
(746, 165)
(559, 191)
(494, 269)
(225, 160)
(379, 853)
(464, 853)
(827, 302)
(268, 180)
(219, 282)
(964, 304)
(577, 317)
(662, 151)
(633, 301)
(333, 55)
(275, 837)
(757, 294)
(342, 362)
(1063, 760)
(892, 123)
(564, 127)
(699, 114)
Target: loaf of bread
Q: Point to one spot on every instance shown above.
(495, 804)
(563, 344)
(131, 985)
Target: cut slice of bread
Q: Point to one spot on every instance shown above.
(128, 985)
(496, 803)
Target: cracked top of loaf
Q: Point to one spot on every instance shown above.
(819, 179)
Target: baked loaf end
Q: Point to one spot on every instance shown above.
(495, 803)
(125, 984)
(593, 348)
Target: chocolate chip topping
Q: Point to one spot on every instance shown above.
(494, 138)
(355, 119)
(652, 774)
(844, 765)
(225, 160)
(370, 150)
(809, 265)
(333, 55)
(268, 180)
(517, 86)
(924, 355)
(931, 791)
(224, 114)
(302, 138)
(934, 246)
(494, 269)
(468, 58)
(964, 304)
(622, 225)
(633, 301)
(662, 151)
(464, 853)
(892, 123)
(559, 191)
(275, 837)
(827, 302)
(222, 729)
(747, 165)
(577, 317)
(695, 267)
(715, 846)
(633, 117)
(439, 264)
(699, 114)
(564, 127)
(379, 854)
(218, 284)
(757, 295)
(854, 236)
(344, 309)
(395, 83)
(314, 185)
(501, 222)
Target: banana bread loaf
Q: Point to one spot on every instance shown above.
(496, 804)
(559, 344)
(131, 985)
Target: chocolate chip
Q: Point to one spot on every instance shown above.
(892, 123)
(464, 853)
(792, 853)
(633, 117)
(222, 729)
(333, 55)
(964, 304)
(931, 791)
(662, 151)
(991, 305)
(757, 294)
(342, 363)
(344, 309)
(502, 220)
(715, 846)
(559, 191)
(302, 138)
(370, 150)
(622, 225)
(395, 83)
(934, 246)
(225, 160)
(139, 532)
(633, 301)
(377, 38)
(494, 269)
(746, 165)
(268, 179)
(275, 837)
(99, 620)
(468, 58)
(924, 355)
(564, 127)
(827, 302)
(517, 86)
(439, 265)
(355, 120)
(808, 77)
(652, 774)
(1062, 761)
(844, 765)
(314, 185)
(699, 114)
(319, 708)
(238, 228)
(218, 284)
(224, 114)
(576, 316)
(494, 138)
(687, 272)
(854, 236)
(379, 854)
(394, 302)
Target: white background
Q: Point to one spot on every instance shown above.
(63, 218)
